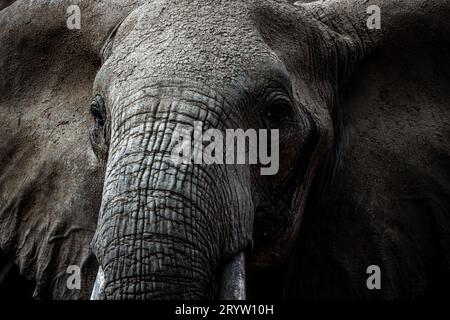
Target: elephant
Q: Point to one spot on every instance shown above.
(87, 122)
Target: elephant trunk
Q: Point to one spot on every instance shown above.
(158, 241)
(164, 228)
(232, 282)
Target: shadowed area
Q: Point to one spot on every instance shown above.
(6, 3)
(13, 286)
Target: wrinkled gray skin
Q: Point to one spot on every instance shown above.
(164, 231)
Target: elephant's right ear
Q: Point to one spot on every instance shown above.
(50, 179)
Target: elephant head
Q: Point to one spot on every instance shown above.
(166, 230)
(160, 229)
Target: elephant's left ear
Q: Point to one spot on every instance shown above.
(50, 179)
(368, 27)
(389, 199)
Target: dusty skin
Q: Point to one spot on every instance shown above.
(363, 117)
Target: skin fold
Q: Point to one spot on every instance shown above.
(364, 146)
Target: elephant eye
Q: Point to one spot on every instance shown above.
(99, 134)
(98, 110)
(278, 112)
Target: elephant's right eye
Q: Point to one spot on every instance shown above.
(98, 110)
(99, 133)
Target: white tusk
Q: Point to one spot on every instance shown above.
(99, 284)
(232, 286)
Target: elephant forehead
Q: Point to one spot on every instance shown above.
(214, 43)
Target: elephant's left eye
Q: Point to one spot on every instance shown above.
(279, 111)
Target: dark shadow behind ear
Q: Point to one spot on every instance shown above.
(50, 179)
(383, 195)
(5, 3)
